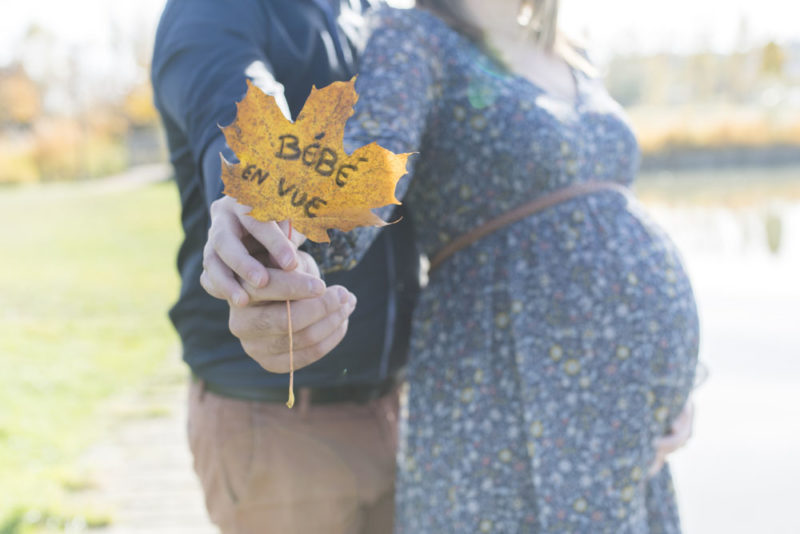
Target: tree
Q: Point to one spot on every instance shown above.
(773, 59)
(20, 100)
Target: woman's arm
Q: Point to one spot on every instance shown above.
(394, 84)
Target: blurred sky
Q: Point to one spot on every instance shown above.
(102, 39)
(623, 24)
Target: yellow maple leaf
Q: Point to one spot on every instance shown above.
(300, 171)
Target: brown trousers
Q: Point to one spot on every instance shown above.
(326, 468)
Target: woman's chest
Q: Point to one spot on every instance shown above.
(508, 133)
(495, 141)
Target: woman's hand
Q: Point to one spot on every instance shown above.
(681, 432)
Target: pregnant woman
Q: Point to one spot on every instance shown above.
(548, 354)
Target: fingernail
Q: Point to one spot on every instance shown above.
(352, 300)
(239, 299)
(286, 259)
(654, 469)
(256, 278)
(316, 286)
(344, 295)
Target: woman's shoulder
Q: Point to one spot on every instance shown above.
(417, 23)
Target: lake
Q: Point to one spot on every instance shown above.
(739, 233)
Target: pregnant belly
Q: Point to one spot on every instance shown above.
(589, 294)
(602, 292)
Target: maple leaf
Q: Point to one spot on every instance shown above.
(300, 171)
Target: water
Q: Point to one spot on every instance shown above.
(741, 471)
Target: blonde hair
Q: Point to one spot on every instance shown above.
(538, 17)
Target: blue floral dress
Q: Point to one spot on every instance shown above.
(547, 356)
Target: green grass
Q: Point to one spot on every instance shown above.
(86, 279)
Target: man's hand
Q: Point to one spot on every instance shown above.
(229, 252)
(677, 438)
(319, 321)
(318, 325)
(235, 261)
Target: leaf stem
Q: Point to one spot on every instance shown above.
(290, 402)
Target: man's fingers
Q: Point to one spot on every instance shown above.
(297, 238)
(225, 239)
(209, 287)
(218, 281)
(270, 319)
(286, 285)
(320, 330)
(229, 248)
(303, 357)
(307, 264)
(274, 240)
(311, 311)
(309, 355)
(309, 336)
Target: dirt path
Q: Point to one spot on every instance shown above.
(143, 471)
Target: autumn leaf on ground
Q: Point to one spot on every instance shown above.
(300, 171)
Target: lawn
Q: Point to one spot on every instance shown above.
(86, 279)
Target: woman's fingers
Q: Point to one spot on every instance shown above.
(680, 433)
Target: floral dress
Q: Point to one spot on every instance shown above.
(547, 356)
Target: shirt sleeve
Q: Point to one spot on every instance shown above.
(204, 52)
(396, 82)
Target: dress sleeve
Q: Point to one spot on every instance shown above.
(204, 52)
(396, 91)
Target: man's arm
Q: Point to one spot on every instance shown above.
(204, 53)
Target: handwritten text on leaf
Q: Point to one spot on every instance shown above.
(300, 171)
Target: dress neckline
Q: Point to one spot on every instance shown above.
(575, 103)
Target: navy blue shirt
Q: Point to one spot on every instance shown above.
(204, 52)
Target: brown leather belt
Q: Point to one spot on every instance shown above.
(518, 213)
(357, 393)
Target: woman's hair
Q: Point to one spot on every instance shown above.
(539, 16)
(455, 14)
